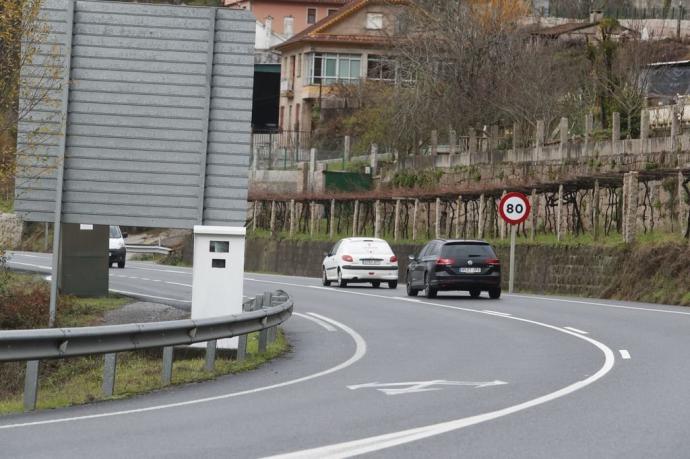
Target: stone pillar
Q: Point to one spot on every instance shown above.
(480, 222)
(595, 210)
(644, 130)
(331, 224)
(374, 158)
(589, 128)
(437, 219)
(539, 141)
(502, 225)
(632, 200)
(377, 218)
(346, 148)
(396, 225)
(415, 214)
(517, 140)
(563, 129)
(273, 217)
(355, 218)
(292, 217)
(533, 217)
(493, 137)
(675, 126)
(559, 214)
(452, 141)
(616, 127)
(457, 218)
(434, 142)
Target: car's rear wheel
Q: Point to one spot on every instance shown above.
(429, 291)
(121, 264)
(324, 279)
(393, 284)
(376, 284)
(475, 293)
(342, 283)
(408, 287)
(495, 293)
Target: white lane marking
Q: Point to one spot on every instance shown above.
(132, 266)
(497, 313)
(411, 387)
(360, 351)
(178, 283)
(30, 264)
(606, 305)
(582, 332)
(148, 296)
(30, 256)
(625, 354)
(377, 443)
(320, 322)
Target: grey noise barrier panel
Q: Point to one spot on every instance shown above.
(146, 118)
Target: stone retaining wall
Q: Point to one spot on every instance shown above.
(10, 231)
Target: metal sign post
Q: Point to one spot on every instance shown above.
(514, 209)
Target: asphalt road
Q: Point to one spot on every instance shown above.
(521, 377)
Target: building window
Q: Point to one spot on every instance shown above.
(380, 68)
(311, 15)
(374, 21)
(331, 68)
(299, 65)
(332, 11)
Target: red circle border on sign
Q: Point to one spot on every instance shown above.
(515, 194)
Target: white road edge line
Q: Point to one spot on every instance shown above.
(591, 303)
(148, 296)
(360, 351)
(576, 330)
(320, 322)
(497, 313)
(380, 442)
(625, 354)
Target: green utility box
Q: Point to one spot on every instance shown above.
(347, 181)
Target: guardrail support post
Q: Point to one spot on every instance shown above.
(31, 385)
(271, 332)
(242, 340)
(166, 378)
(263, 334)
(109, 372)
(210, 356)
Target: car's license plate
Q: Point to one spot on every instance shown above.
(470, 270)
(371, 262)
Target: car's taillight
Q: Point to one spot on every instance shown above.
(445, 261)
(347, 258)
(394, 259)
(493, 262)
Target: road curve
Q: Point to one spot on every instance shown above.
(373, 372)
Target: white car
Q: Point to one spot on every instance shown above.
(360, 260)
(117, 252)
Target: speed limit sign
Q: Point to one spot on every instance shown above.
(514, 208)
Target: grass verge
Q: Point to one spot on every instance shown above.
(77, 381)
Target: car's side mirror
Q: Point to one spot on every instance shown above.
(411, 257)
(124, 235)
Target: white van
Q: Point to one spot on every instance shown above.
(360, 260)
(117, 252)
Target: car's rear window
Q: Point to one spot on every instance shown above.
(467, 251)
(367, 247)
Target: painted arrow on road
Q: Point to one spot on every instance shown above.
(411, 387)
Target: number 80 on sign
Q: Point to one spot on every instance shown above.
(514, 208)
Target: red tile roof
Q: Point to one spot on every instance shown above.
(317, 32)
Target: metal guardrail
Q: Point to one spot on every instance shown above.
(263, 314)
(141, 248)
